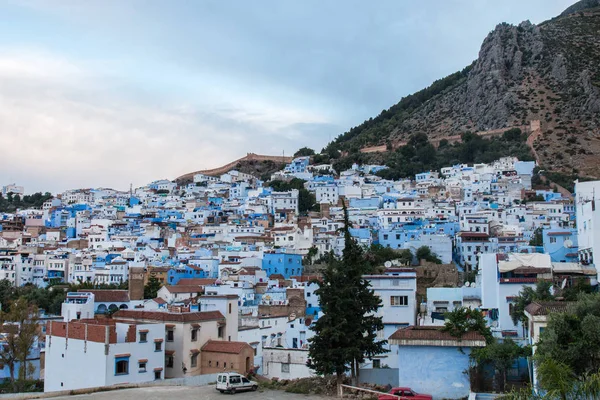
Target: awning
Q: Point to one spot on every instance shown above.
(122, 355)
(170, 326)
(169, 352)
(516, 260)
(143, 360)
(194, 351)
(158, 340)
(143, 331)
(195, 326)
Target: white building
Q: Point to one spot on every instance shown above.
(78, 305)
(587, 214)
(97, 355)
(397, 288)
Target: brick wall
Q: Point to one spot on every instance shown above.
(131, 334)
(226, 362)
(95, 333)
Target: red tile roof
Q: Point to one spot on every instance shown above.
(184, 288)
(170, 317)
(196, 281)
(217, 346)
(108, 296)
(548, 307)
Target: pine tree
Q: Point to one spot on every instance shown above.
(347, 332)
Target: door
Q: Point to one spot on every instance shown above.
(248, 366)
(245, 383)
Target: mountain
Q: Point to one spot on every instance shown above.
(527, 73)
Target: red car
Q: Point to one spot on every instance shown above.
(405, 394)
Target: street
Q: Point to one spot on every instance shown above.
(188, 393)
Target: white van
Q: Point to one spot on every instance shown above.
(232, 382)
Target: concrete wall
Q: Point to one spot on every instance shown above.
(380, 376)
(438, 371)
(86, 363)
(273, 358)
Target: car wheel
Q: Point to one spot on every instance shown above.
(254, 387)
(221, 390)
(232, 391)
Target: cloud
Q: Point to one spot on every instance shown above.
(61, 129)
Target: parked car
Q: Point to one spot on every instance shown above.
(405, 394)
(232, 382)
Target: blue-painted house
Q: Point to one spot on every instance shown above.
(432, 361)
(286, 264)
(561, 244)
(184, 271)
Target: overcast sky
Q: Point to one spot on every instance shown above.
(112, 92)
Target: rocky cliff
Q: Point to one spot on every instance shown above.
(548, 72)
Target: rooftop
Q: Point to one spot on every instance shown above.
(169, 316)
(434, 336)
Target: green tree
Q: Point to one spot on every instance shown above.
(22, 320)
(425, 253)
(307, 201)
(500, 355)
(528, 295)
(537, 239)
(347, 332)
(304, 152)
(573, 338)
(462, 320)
(152, 287)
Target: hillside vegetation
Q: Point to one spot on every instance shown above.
(548, 72)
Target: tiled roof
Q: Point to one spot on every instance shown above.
(108, 296)
(183, 288)
(432, 333)
(170, 317)
(196, 281)
(548, 307)
(217, 346)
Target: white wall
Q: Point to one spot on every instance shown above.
(78, 365)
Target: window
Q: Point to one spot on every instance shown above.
(157, 346)
(157, 375)
(221, 331)
(142, 366)
(143, 337)
(169, 361)
(170, 335)
(194, 335)
(552, 240)
(122, 366)
(399, 301)
(194, 360)
(285, 367)
(229, 308)
(376, 363)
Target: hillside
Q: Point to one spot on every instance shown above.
(258, 165)
(548, 72)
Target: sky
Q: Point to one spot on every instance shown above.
(108, 93)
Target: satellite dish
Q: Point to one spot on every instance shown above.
(388, 264)
(568, 243)
(467, 284)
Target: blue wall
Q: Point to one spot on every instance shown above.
(554, 244)
(438, 371)
(281, 263)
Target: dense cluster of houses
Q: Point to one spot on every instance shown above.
(234, 260)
